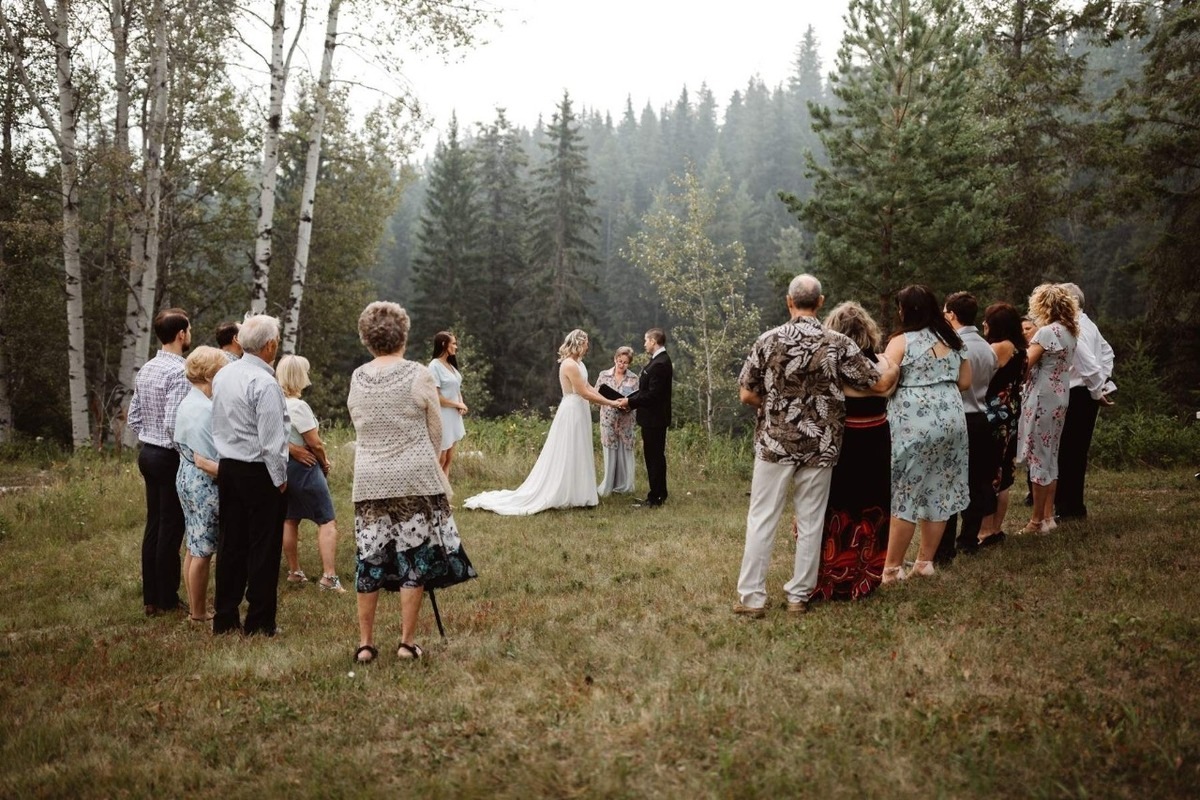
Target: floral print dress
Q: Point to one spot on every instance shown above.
(1044, 403)
(929, 433)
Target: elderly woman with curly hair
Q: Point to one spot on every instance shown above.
(1045, 396)
(405, 534)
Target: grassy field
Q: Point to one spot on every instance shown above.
(596, 656)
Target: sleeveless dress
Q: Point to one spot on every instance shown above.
(1003, 408)
(565, 473)
(854, 542)
(449, 385)
(929, 434)
(1044, 404)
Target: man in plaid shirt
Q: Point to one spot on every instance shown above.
(158, 389)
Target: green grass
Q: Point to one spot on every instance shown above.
(596, 656)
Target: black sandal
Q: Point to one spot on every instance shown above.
(409, 652)
(369, 650)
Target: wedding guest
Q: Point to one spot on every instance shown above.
(564, 475)
(160, 386)
(1028, 329)
(652, 401)
(227, 340)
(1002, 328)
(196, 480)
(616, 426)
(447, 378)
(854, 542)
(1045, 397)
(308, 494)
(793, 378)
(929, 430)
(960, 310)
(403, 528)
(1090, 372)
(250, 425)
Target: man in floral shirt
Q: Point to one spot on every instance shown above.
(794, 377)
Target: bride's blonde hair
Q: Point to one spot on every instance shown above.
(573, 344)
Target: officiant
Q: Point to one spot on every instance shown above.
(616, 426)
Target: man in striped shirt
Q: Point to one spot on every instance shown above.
(250, 430)
(158, 389)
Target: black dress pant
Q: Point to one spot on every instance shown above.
(981, 471)
(164, 527)
(249, 547)
(654, 450)
(1073, 453)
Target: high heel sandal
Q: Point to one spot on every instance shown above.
(1048, 524)
(1033, 527)
(893, 575)
(334, 584)
(297, 576)
(923, 569)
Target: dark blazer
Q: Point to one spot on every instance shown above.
(652, 400)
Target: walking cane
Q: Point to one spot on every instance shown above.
(437, 614)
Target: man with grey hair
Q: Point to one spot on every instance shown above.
(1090, 385)
(250, 431)
(793, 377)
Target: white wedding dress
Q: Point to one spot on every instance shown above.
(565, 473)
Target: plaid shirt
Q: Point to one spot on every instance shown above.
(159, 388)
(798, 369)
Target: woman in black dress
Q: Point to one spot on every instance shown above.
(1002, 328)
(855, 540)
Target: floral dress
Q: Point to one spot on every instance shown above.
(929, 433)
(1044, 403)
(616, 437)
(197, 491)
(1003, 409)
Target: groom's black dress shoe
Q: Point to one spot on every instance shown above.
(648, 503)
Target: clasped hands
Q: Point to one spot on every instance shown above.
(622, 404)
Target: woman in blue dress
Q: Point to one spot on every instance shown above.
(448, 380)
(196, 480)
(929, 430)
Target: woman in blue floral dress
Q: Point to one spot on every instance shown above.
(196, 480)
(929, 430)
(616, 426)
(1045, 396)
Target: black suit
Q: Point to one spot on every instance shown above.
(652, 401)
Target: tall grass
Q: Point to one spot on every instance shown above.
(596, 656)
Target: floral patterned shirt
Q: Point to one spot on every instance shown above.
(616, 427)
(799, 369)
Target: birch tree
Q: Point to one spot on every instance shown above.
(55, 25)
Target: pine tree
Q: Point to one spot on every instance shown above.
(562, 240)
(904, 198)
(446, 266)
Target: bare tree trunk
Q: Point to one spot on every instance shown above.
(280, 67)
(57, 26)
(291, 322)
(7, 120)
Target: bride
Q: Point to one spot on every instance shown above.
(565, 473)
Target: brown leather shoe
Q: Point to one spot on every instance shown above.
(798, 607)
(749, 611)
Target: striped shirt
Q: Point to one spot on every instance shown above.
(159, 388)
(249, 418)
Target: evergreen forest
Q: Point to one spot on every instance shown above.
(986, 145)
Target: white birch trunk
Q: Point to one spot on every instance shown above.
(291, 322)
(135, 315)
(270, 166)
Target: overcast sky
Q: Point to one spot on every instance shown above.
(602, 52)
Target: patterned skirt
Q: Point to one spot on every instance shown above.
(408, 543)
(198, 497)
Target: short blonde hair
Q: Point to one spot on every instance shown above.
(852, 320)
(292, 374)
(624, 350)
(573, 344)
(1050, 302)
(383, 328)
(203, 363)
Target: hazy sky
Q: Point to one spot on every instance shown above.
(604, 51)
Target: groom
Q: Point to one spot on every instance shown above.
(653, 403)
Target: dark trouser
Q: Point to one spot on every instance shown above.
(654, 450)
(164, 527)
(1073, 453)
(249, 547)
(981, 471)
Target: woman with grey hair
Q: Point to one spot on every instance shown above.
(405, 534)
(616, 426)
(565, 473)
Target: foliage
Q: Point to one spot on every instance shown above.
(703, 286)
